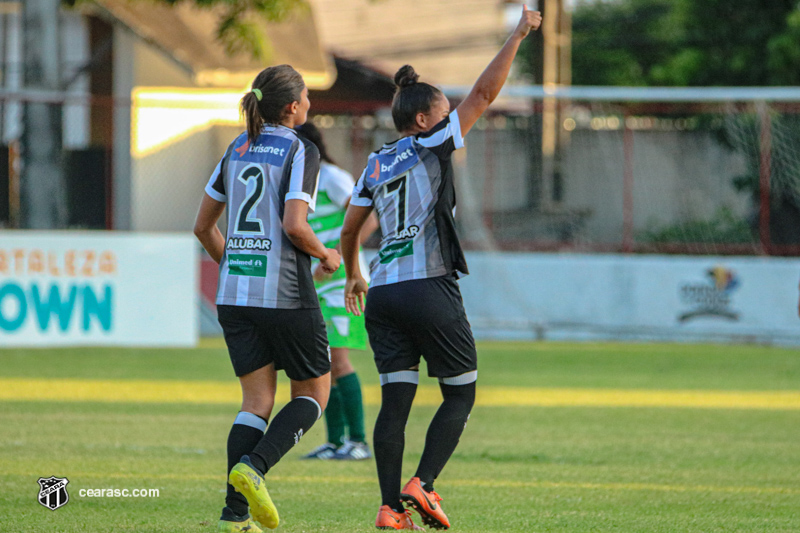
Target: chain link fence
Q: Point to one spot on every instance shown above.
(653, 177)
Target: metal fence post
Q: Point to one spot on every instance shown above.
(42, 187)
(765, 171)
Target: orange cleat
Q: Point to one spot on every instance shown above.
(425, 503)
(388, 518)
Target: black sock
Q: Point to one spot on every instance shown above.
(389, 439)
(445, 431)
(245, 433)
(294, 420)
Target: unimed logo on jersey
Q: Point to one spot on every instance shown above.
(393, 251)
(711, 298)
(247, 265)
(270, 149)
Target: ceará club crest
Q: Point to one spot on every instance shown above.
(53, 492)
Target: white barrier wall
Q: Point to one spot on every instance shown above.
(97, 288)
(574, 296)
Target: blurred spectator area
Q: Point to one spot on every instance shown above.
(149, 98)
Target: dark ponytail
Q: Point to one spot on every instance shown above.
(249, 109)
(411, 97)
(273, 89)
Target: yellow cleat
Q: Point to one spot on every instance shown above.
(246, 526)
(248, 481)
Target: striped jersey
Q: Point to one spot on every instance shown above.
(410, 184)
(261, 267)
(333, 195)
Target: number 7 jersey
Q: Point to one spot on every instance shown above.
(410, 184)
(261, 267)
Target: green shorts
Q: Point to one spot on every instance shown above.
(344, 329)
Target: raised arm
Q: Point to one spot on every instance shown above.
(492, 79)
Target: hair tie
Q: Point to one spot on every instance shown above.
(258, 94)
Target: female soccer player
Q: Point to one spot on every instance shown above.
(266, 301)
(414, 305)
(345, 406)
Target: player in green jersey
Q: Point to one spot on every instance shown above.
(345, 411)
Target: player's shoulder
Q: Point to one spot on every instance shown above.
(443, 138)
(287, 134)
(237, 143)
(372, 158)
(239, 139)
(389, 147)
(442, 125)
(310, 148)
(299, 142)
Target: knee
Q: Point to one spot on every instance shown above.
(389, 427)
(319, 389)
(340, 364)
(460, 397)
(258, 404)
(395, 407)
(322, 400)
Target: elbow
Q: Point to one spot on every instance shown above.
(293, 229)
(348, 233)
(487, 97)
(199, 231)
(483, 95)
(349, 236)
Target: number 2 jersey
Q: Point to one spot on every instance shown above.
(261, 267)
(410, 184)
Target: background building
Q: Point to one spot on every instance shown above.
(149, 100)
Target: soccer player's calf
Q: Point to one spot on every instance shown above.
(445, 431)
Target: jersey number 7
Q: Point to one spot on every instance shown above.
(397, 188)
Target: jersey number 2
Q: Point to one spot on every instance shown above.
(398, 188)
(246, 223)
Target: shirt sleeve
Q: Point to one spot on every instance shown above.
(304, 176)
(339, 185)
(361, 196)
(445, 137)
(216, 184)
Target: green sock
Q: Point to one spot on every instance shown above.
(350, 392)
(334, 417)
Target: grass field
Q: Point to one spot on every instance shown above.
(565, 437)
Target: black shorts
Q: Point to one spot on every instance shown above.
(423, 317)
(294, 339)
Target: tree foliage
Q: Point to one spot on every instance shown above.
(706, 43)
(240, 26)
(241, 22)
(687, 43)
